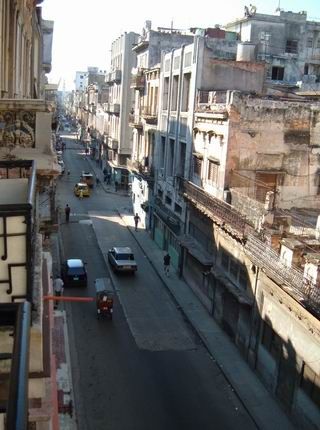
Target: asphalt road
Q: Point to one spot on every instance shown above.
(145, 369)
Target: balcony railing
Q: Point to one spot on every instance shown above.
(150, 116)
(113, 144)
(142, 167)
(290, 279)
(114, 76)
(112, 108)
(138, 80)
(219, 211)
(135, 121)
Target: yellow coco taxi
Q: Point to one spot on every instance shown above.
(81, 188)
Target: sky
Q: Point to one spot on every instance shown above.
(85, 29)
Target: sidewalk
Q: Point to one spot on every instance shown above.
(263, 408)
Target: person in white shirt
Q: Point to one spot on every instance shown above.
(58, 289)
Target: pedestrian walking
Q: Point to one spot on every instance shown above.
(136, 221)
(166, 263)
(67, 212)
(97, 181)
(116, 186)
(81, 194)
(58, 289)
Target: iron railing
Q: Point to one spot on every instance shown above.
(290, 279)
(221, 212)
(16, 409)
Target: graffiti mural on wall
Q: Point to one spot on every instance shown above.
(17, 129)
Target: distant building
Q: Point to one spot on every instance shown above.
(288, 43)
(81, 81)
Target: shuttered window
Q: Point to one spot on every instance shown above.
(197, 163)
(213, 172)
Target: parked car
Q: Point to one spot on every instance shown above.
(122, 259)
(87, 178)
(81, 186)
(73, 273)
(62, 167)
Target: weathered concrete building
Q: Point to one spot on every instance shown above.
(120, 104)
(257, 153)
(287, 42)
(144, 117)
(207, 63)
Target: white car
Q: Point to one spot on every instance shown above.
(121, 259)
(62, 167)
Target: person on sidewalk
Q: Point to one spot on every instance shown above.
(67, 212)
(116, 186)
(58, 289)
(166, 263)
(136, 221)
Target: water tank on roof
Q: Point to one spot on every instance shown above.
(246, 51)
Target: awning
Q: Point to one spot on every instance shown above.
(198, 155)
(214, 160)
(241, 296)
(196, 250)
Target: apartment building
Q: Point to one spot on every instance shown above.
(144, 117)
(287, 42)
(81, 81)
(120, 104)
(28, 170)
(199, 65)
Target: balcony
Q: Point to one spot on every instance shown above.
(150, 116)
(114, 108)
(219, 211)
(114, 77)
(141, 167)
(17, 215)
(135, 121)
(138, 80)
(113, 143)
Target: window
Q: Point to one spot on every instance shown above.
(318, 43)
(213, 172)
(165, 93)
(270, 340)
(170, 158)
(188, 59)
(309, 42)
(197, 164)
(177, 208)
(243, 278)
(174, 99)
(186, 92)
(234, 268)
(225, 260)
(162, 149)
(292, 46)
(306, 69)
(182, 159)
(168, 200)
(310, 384)
(81, 76)
(160, 193)
(277, 73)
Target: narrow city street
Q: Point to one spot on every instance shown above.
(145, 369)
